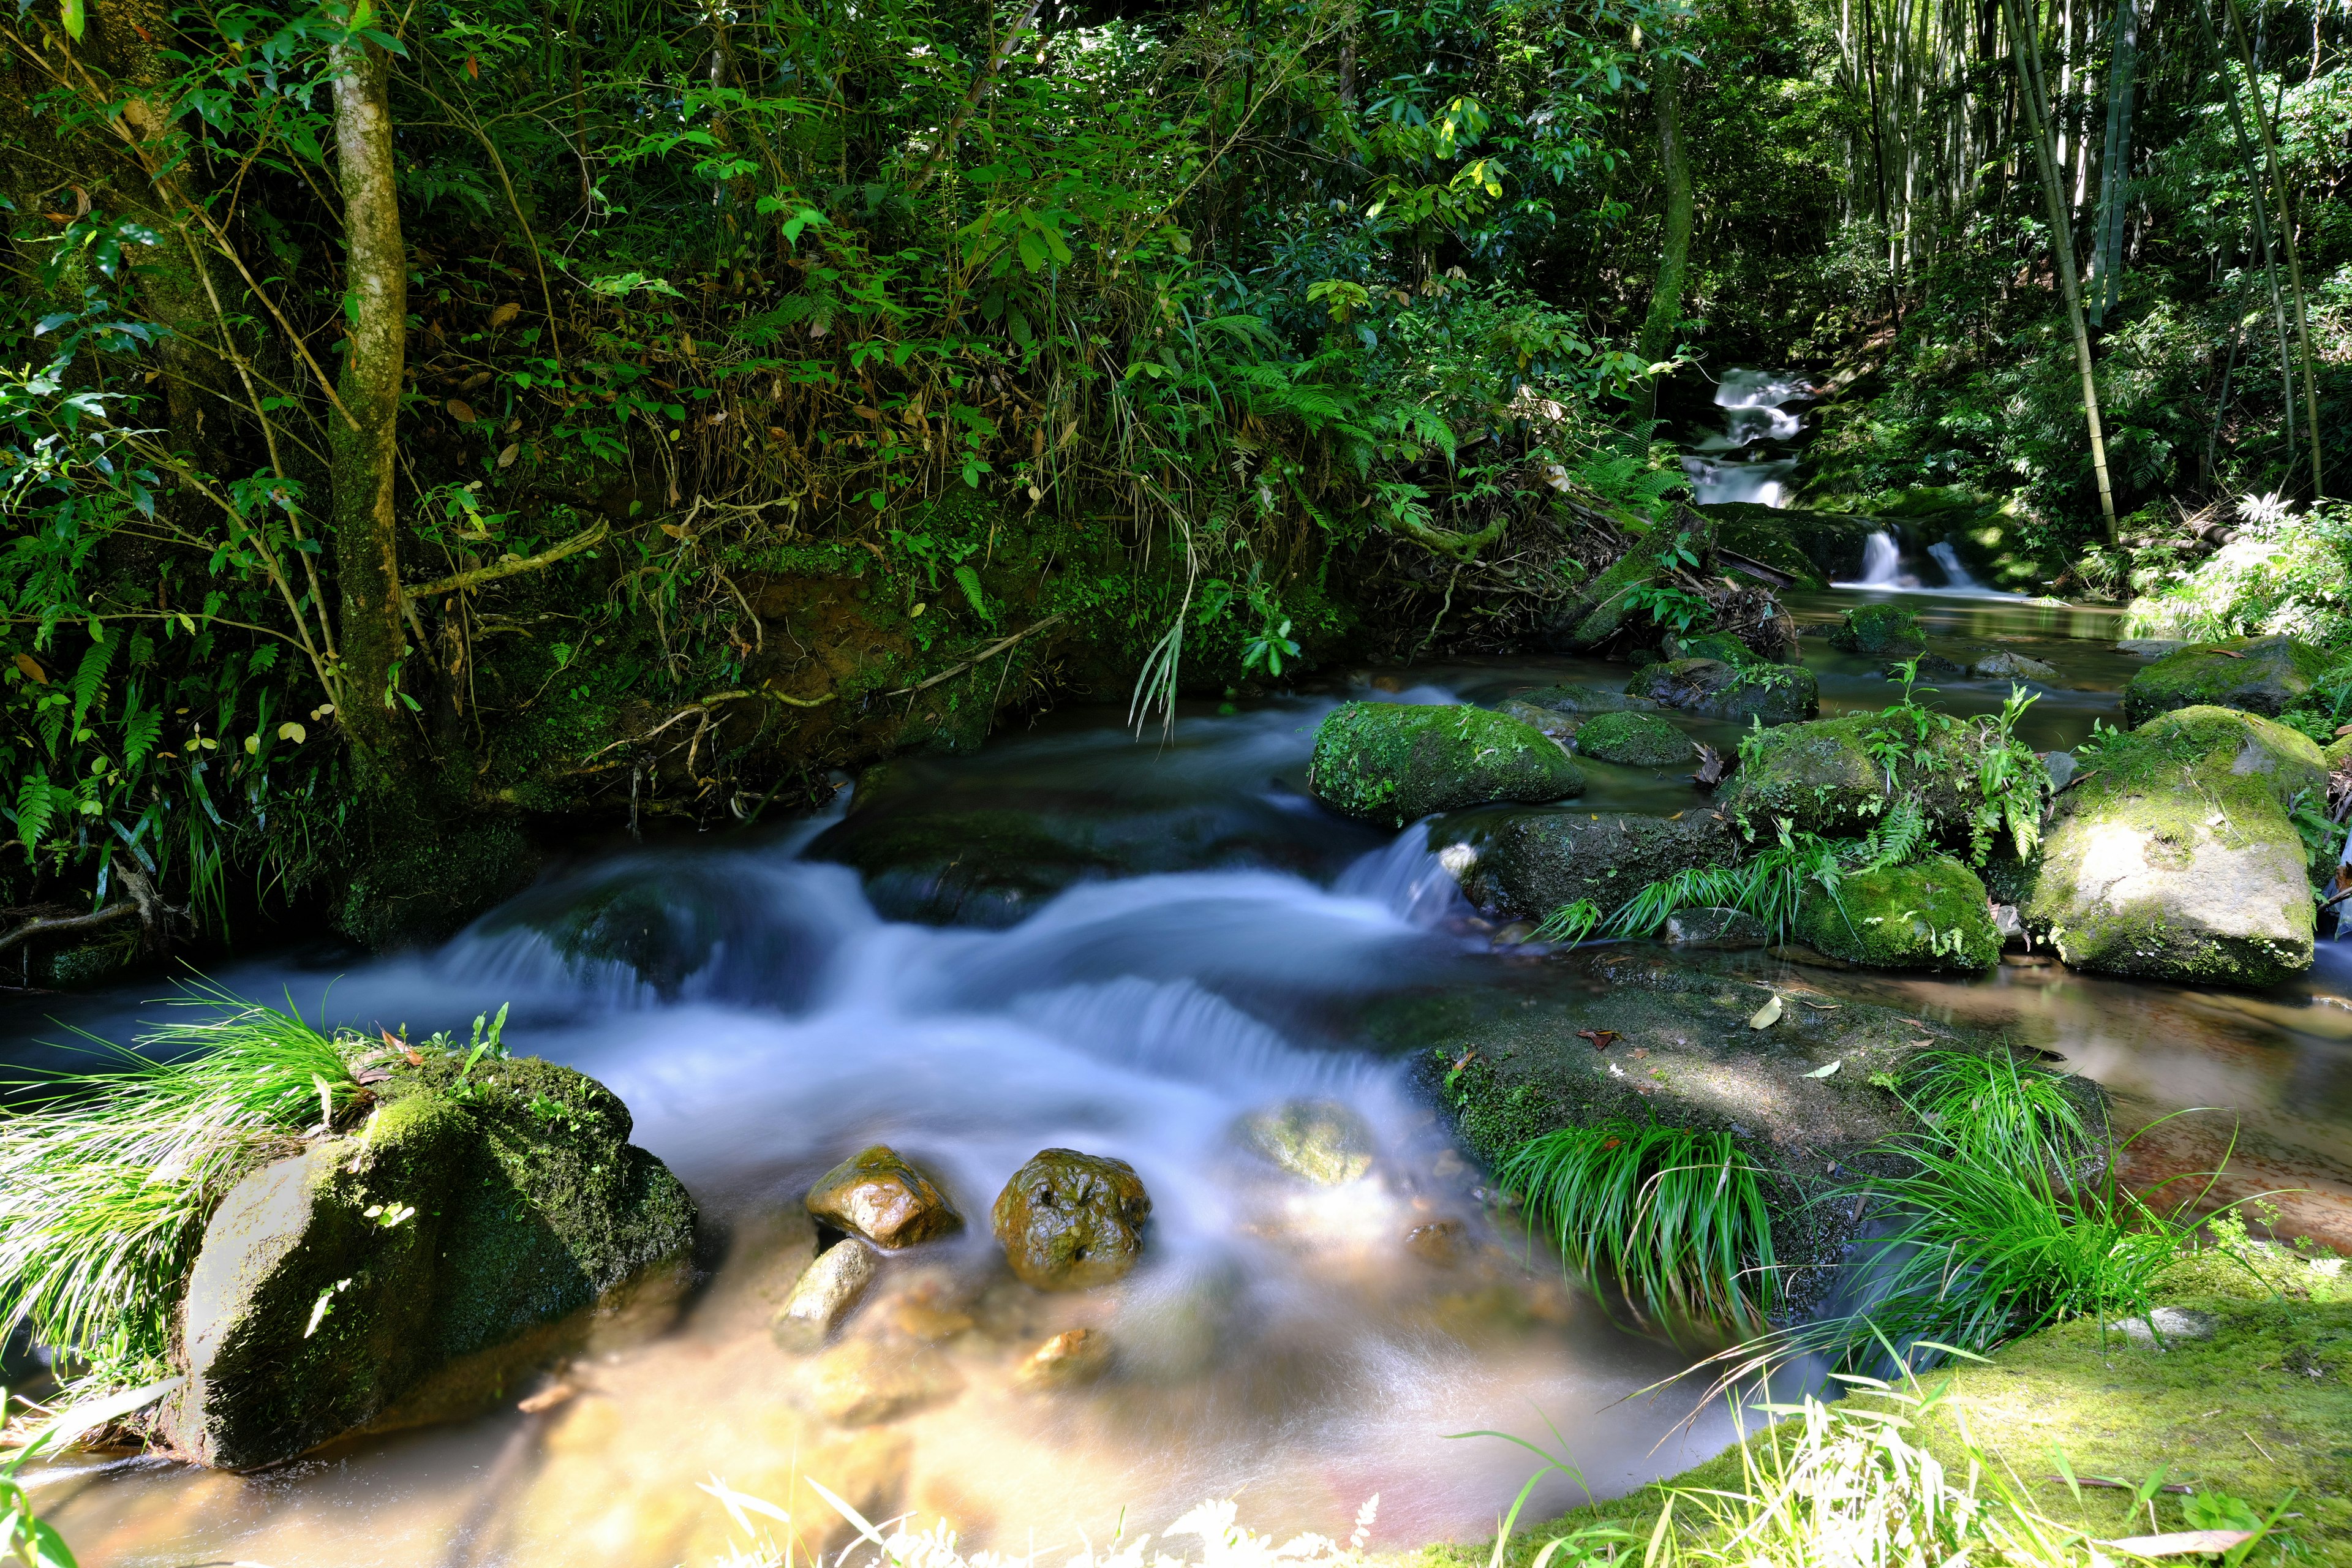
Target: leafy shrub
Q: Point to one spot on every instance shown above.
(2291, 575)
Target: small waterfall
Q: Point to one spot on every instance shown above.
(1882, 562)
(1956, 576)
(1752, 402)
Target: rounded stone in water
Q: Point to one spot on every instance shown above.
(876, 1193)
(827, 1291)
(1319, 1140)
(1070, 1221)
(1635, 740)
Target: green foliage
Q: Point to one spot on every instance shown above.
(1568, 924)
(1676, 1218)
(2291, 573)
(107, 1177)
(1998, 1111)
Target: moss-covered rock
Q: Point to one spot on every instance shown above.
(1931, 914)
(1720, 645)
(1572, 698)
(1392, 763)
(2174, 858)
(412, 1270)
(1881, 631)
(1635, 740)
(1532, 862)
(1595, 614)
(2255, 675)
(1825, 777)
(1775, 693)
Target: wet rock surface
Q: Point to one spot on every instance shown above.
(1824, 778)
(1320, 1140)
(2002, 664)
(877, 1195)
(1881, 631)
(2175, 857)
(1727, 931)
(1071, 1358)
(1070, 1221)
(1530, 863)
(827, 1291)
(1772, 693)
(2255, 675)
(1392, 763)
(865, 1382)
(405, 1276)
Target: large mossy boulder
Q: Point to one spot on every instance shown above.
(2255, 675)
(1535, 861)
(1826, 777)
(1880, 631)
(1632, 740)
(1930, 914)
(1774, 693)
(413, 1270)
(2176, 857)
(1720, 645)
(1392, 763)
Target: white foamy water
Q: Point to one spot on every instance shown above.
(1281, 1341)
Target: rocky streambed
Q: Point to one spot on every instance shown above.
(1265, 1045)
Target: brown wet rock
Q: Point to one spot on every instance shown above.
(1072, 1357)
(1442, 1242)
(1320, 1140)
(1070, 1221)
(827, 1291)
(863, 1383)
(876, 1193)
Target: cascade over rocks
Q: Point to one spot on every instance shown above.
(2174, 858)
(2255, 675)
(1532, 862)
(876, 1193)
(1930, 914)
(1071, 1221)
(410, 1273)
(1392, 763)
(1776, 694)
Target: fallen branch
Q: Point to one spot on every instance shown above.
(492, 573)
(980, 658)
(62, 925)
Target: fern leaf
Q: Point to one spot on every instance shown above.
(969, 581)
(36, 805)
(139, 733)
(89, 678)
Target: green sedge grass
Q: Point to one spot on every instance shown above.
(107, 1177)
(1674, 1217)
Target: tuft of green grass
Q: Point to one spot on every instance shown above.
(1677, 1218)
(107, 1177)
(1998, 1111)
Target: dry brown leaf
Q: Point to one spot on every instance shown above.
(460, 410)
(31, 670)
(503, 314)
(507, 459)
(1601, 1038)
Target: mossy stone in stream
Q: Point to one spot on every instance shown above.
(413, 1271)
(2255, 675)
(1772, 693)
(1823, 778)
(1635, 740)
(1930, 914)
(1881, 631)
(1571, 698)
(1720, 645)
(1070, 1221)
(1392, 763)
(1814, 547)
(1530, 863)
(2174, 858)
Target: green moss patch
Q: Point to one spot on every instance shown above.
(1635, 740)
(1393, 763)
(2256, 675)
(1773, 693)
(1931, 914)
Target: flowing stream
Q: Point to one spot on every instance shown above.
(1741, 463)
(764, 1013)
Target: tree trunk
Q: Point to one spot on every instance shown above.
(2061, 251)
(1659, 329)
(2114, 165)
(361, 448)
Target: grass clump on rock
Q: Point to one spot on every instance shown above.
(1635, 740)
(1392, 764)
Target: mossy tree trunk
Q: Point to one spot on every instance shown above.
(361, 442)
(1658, 330)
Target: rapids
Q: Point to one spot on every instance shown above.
(764, 1014)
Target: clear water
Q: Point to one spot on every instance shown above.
(1280, 1342)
